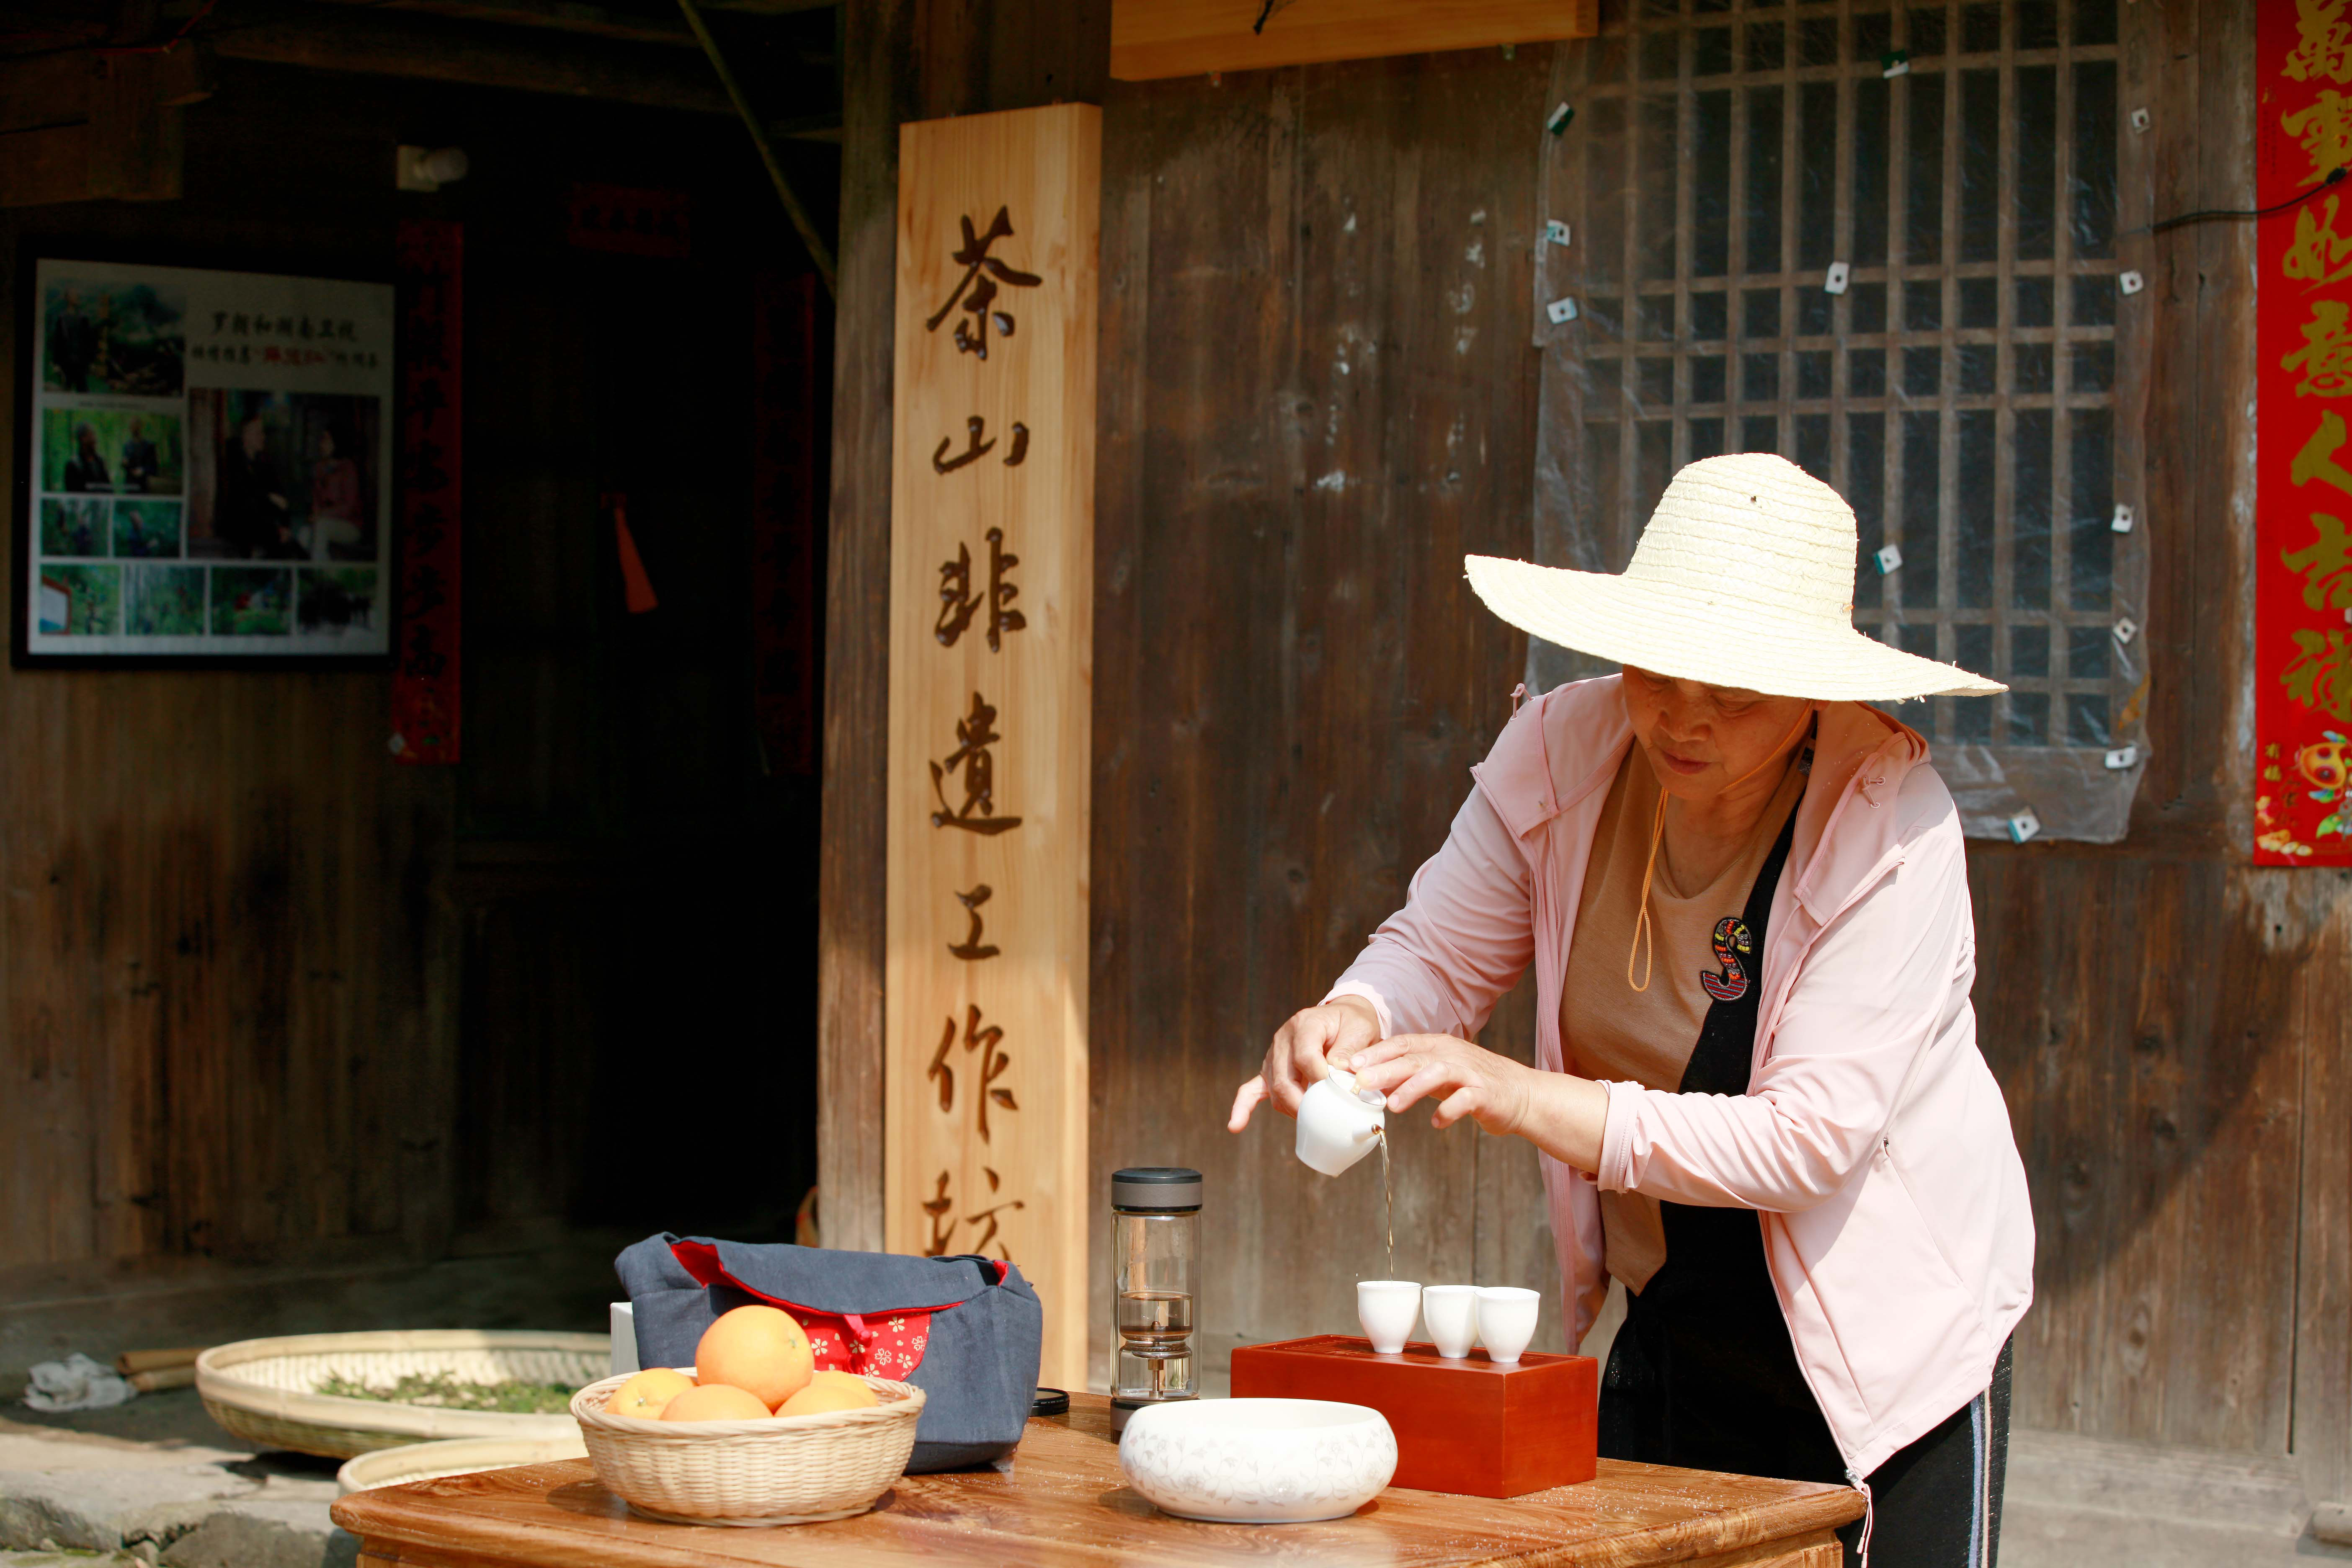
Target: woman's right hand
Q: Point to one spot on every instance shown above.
(1315, 1037)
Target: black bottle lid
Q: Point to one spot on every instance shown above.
(1156, 1189)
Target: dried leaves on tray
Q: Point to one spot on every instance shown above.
(443, 1392)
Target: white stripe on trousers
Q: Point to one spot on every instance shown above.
(1981, 1455)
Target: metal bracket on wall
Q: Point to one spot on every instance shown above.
(819, 252)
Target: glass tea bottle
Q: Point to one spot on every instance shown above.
(1155, 1234)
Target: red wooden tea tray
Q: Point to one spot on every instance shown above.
(1467, 1426)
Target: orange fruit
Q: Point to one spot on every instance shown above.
(844, 1379)
(714, 1402)
(757, 1348)
(819, 1397)
(644, 1396)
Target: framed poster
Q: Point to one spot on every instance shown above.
(203, 467)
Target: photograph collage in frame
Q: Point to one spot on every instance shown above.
(206, 465)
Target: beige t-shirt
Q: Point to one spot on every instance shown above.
(1610, 1030)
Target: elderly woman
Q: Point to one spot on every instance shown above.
(1758, 1094)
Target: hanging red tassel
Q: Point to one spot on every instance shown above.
(637, 588)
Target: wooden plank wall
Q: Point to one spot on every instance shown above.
(216, 1031)
(239, 941)
(226, 929)
(1317, 395)
(2168, 1023)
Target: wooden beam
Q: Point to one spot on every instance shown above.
(903, 60)
(135, 144)
(819, 252)
(84, 127)
(554, 16)
(807, 128)
(385, 44)
(47, 91)
(596, 21)
(1151, 39)
(851, 872)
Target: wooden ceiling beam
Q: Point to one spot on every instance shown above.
(554, 16)
(81, 127)
(1151, 39)
(376, 42)
(629, 24)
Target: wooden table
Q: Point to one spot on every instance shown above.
(1066, 1505)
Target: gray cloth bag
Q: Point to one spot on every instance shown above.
(979, 1367)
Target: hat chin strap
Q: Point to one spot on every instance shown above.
(1645, 942)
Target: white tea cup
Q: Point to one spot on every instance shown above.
(1387, 1307)
(1337, 1123)
(1506, 1322)
(1451, 1312)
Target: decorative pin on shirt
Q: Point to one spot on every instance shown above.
(1733, 945)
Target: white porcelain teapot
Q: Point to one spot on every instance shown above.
(1339, 1123)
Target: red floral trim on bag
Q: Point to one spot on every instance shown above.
(892, 1345)
(873, 1344)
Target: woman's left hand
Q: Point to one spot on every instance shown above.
(1493, 1090)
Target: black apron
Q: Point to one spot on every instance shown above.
(1703, 1374)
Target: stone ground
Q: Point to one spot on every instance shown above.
(2081, 1502)
(156, 1476)
(154, 1481)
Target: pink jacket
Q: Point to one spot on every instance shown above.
(1873, 1140)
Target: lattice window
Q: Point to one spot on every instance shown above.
(1962, 391)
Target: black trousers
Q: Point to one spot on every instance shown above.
(1935, 1504)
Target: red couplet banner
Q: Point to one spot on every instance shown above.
(2303, 582)
(425, 712)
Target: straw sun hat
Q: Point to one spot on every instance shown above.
(1743, 578)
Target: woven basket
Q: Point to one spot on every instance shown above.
(456, 1457)
(261, 1390)
(786, 1470)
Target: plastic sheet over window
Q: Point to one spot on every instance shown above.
(1973, 391)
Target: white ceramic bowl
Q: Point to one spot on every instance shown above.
(1258, 1462)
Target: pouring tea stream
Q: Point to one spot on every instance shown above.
(1339, 1124)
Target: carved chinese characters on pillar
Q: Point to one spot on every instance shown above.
(940, 1208)
(2302, 562)
(971, 948)
(958, 603)
(978, 444)
(972, 760)
(963, 783)
(976, 291)
(992, 1063)
(991, 615)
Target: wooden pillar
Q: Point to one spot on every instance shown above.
(902, 61)
(992, 655)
